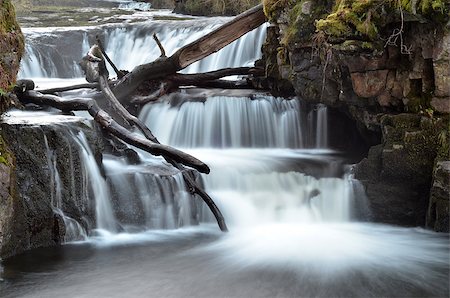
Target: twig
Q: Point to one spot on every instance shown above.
(160, 46)
(398, 34)
(120, 74)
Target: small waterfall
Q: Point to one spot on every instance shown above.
(224, 122)
(104, 212)
(131, 5)
(148, 199)
(256, 187)
(73, 229)
(221, 122)
(322, 127)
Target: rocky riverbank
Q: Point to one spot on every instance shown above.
(386, 67)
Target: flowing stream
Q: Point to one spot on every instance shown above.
(289, 201)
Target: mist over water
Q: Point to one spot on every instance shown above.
(288, 200)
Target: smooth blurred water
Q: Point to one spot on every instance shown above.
(325, 260)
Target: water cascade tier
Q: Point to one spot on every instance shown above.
(55, 53)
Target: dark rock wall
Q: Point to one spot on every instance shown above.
(27, 216)
(398, 97)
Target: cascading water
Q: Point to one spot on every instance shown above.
(73, 229)
(149, 196)
(282, 192)
(252, 146)
(104, 212)
(222, 122)
(55, 53)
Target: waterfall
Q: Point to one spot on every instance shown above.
(100, 192)
(258, 155)
(287, 198)
(149, 197)
(55, 53)
(142, 6)
(322, 127)
(73, 229)
(224, 121)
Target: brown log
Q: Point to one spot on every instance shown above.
(68, 88)
(110, 125)
(142, 100)
(194, 79)
(220, 37)
(193, 52)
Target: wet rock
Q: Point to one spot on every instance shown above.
(47, 176)
(397, 173)
(441, 105)
(438, 210)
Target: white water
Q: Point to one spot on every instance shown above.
(148, 200)
(96, 183)
(73, 230)
(55, 52)
(131, 5)
(224, 121)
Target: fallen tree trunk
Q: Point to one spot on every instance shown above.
(193, 52)
(110, 125)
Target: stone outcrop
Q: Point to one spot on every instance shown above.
(45, 177)
(395, 86)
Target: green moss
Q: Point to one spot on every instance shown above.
(444, 143)
(364, 18)
(5, 154)
(333, 26)
(11, 50)
(301, 14)
(272, 8)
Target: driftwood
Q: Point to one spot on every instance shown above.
(193, 52)
(110, 125)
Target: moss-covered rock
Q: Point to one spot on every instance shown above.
(11, 51)
(365, 19)
(398, 173)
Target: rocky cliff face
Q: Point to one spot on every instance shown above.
(387, 67)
